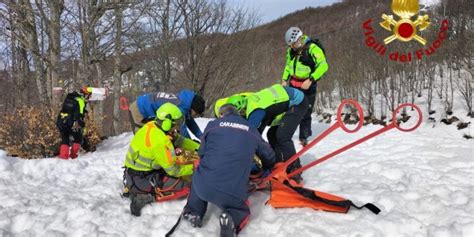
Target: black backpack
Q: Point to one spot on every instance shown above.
(306, 59)
(65, 117)
(318, 43)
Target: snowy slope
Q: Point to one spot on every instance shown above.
(429, 2)
(422, 181)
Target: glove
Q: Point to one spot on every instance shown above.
(185, 157)
(174, 133)
(178, 151)
(76, 127)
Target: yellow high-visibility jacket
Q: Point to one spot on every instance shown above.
(151, 149)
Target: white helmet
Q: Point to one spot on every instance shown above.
(292, 35)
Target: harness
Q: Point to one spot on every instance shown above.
(164, 188)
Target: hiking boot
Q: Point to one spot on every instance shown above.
(126, 192)
(74, 150)
(227, 225)
(194, 219)
(64, 152)
(139, 201)
(304, 142)
(297, 178)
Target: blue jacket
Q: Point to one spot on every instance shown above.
(148, 104)
(186, 99)
(227, 149)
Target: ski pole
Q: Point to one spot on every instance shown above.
(328, 131)
(392, 125)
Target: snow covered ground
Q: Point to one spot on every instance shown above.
(422, 181)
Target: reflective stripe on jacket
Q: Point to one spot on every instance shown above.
(152, 149)
(267, 97)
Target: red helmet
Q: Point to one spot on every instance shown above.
(86, 91)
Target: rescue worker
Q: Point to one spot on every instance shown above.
(257, 169)
(280, 107)
(152, 170)
(305, 65)
(227, 149)
(191, 105)
(71, 122)
(223, 101)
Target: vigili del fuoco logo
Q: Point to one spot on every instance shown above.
(404, 29)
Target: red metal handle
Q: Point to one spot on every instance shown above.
(394, 124)
(397, 110)
(339, 123)
(360, 113)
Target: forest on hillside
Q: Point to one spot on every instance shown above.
(134, 47)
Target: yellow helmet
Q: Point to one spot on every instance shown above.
(168, 115)
(218, 105)
(230, 100)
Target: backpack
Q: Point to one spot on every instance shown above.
(306, 59)
(65, 117)
(318, 43)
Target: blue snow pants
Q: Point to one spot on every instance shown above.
(202, 194)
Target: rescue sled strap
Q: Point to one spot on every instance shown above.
(310, 194)
(171, 231)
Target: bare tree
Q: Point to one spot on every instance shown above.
(429, 74)
(93, 28)
(465, 89)
(25, 33)
(52, 20)
(118, 12)
(165, 21)
(206, 26)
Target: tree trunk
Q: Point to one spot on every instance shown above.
(117, 73)
(29, 26)
(14, 56)
(99, 108)
(54, 40)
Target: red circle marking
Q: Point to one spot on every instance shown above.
(359, 110)
(405, 30)
(397, 110)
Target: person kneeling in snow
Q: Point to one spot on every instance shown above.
(191, 105)
(71, 122)
(152, 169)
(222, 177)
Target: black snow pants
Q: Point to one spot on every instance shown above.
(305, 124)
(280, 137)
(140, 182)
(67, 132)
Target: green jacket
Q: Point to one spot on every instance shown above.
(151, 149)
(310, 63)
(274, 100)
(267, 97)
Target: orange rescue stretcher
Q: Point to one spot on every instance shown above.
(286, 193)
